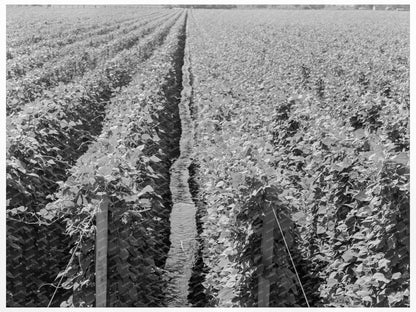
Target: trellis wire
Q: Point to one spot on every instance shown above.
(62, 277)
(291, 259)
(66, 268)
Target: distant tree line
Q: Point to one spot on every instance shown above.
(203, 6)
(296, 7)
(397, 7)
(401, 7)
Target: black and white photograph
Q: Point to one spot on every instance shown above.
(168, 154)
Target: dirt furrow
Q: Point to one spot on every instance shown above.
(181, 255)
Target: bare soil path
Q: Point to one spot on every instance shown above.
(183, 247)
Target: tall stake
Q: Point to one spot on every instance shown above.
(101, 245)
(267, 242)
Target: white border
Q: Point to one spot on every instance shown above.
(158, 2)
(243, 2)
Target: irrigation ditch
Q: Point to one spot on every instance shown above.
(183, 230)
(183, 262)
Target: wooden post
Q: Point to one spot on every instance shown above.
(267, 242)
(101, 246)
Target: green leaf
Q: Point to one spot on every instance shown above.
(133, 293)
(363, 293)
(332, 282)
(145, 190)
(21, 209)
(145, 202)
(383, 263)
(63, 272)
(320, 230)
(322, 210)
(299, 216)
(359, 268)
(220, 184)
(225, 294)
(104, 171)
(349, 256)
(362, 196)
(124, 254)
(146, 137)
(79, 200)
(380, 277)
(367, 298)
(154, 159)
(360, 133)
(396, 276)
(33, 175)
(130, 198)
(402, 158)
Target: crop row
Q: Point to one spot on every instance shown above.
(31, 185)
(20, 65)
(45, 143)
(129, 164)
(55, 126)
(58, 39)
(294, 127)
(30, 29)
(32, 86)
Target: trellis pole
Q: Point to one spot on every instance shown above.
(101, 247)
(267, 242)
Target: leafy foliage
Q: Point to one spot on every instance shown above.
(43, 145)
(305, 113)
(71, 43)
(129, 164)
(86, 63)
(325, 126)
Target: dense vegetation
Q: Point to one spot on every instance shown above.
(301, 127)
(307, 113)
(45, 140)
